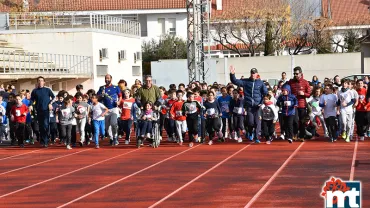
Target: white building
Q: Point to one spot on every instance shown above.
(69, 49)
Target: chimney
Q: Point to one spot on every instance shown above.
(219, 5)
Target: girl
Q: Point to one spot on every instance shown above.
(288, 103)
(224, 102)
(98, 112)
(171, 122)
(316, 111)
(146, 117)
(127, 114)
(82, 111)
(64, 116)
(18, 116)
(191, 109)
(88, 126)
(162, 116)
(177, 115)
(237, 112)
(328, 102)
(212, 115)
(269, 116)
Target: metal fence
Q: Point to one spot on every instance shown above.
(44, 63)
(58, 20)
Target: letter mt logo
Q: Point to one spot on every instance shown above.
(342, 194)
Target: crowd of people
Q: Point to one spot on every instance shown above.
(244, 109)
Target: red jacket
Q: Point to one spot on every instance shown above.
(19, 113)
(176, 112)
(362, 103)
(300, 85)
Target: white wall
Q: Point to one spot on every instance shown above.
(86, 44)
(271, 67)
(166, 72)
(153, 28)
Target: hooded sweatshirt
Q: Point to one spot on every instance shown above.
(288, 103)
(269, 112)
(346, 96)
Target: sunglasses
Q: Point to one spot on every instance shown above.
(295, 73)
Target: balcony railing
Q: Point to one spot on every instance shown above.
(59, 20)
(23, 63)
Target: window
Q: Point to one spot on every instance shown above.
(161, 26)
(55, 87)
(172, 26)
(136, 70)
(101, 70)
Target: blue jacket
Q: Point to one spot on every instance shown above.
(287, 110)
(254, 90)
(112, 95)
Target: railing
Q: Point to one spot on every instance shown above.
(44, 63)
(58, 20)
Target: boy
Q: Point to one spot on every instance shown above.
(18, 115)
(65, 116)
(53, 125)
(3, 120)
(177, 115)
(346, 100)
(224, 102)
(269, 116)
(11, 124)
(171, 122)
(288, 103)
(191, 109)
(237, 111)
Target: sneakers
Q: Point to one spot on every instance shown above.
(180, 143)
(138, 143)
(69, 147)
(268, 142)
(148, 135)
(116, 143)
(347, 139)
(251, 137)
(97, 147)
(127, 142)
(362, 138)
(222, 139)
(160, 138)
(232, 135)
(301, 139)
(295, 138)
(210, 142)
(290, 140)
(368, 133)
(344, 135)
(220, 135)
(282, 137)
(257, 141)
(240, 140)
(191, 144)
(21, 146)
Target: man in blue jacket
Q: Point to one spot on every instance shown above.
(254, 91)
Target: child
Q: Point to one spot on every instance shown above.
(177, 115)
(212, 115)
(146, 117)
(28, 131)
(198, 98)
(269, 116)
(224, 102)
(98, 112)
(53, 125)
(162, 116)
(88, 126)
(64, 117)
(204, 96)
(18, 117)
(352, 87)
(328, 102)
(237, 112)
(11, 124)
(191, 109)
(3, 120)
(127, 114)
(362, 110)
(346, 100)
(171, 127)
(82, 111)
(316, 111)
(288, 103)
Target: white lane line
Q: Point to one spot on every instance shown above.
(201, 175)
(20, 154)
(352, 174)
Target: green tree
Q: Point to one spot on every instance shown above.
(168, 47)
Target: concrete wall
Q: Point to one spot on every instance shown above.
(166, 72)
(326, 65)
(154, 30)
(87, 44)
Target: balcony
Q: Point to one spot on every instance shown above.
(26, 65)
(70, 20)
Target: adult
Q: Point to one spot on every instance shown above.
(43, 98)
(110, 95)
(301, 89)
(283, 79)
(122, 84)
(149, 92)
(315, 80)
(337, 83)
(254, 91)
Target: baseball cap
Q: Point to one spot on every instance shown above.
(254, 71)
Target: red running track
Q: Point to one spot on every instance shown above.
(222, 175)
